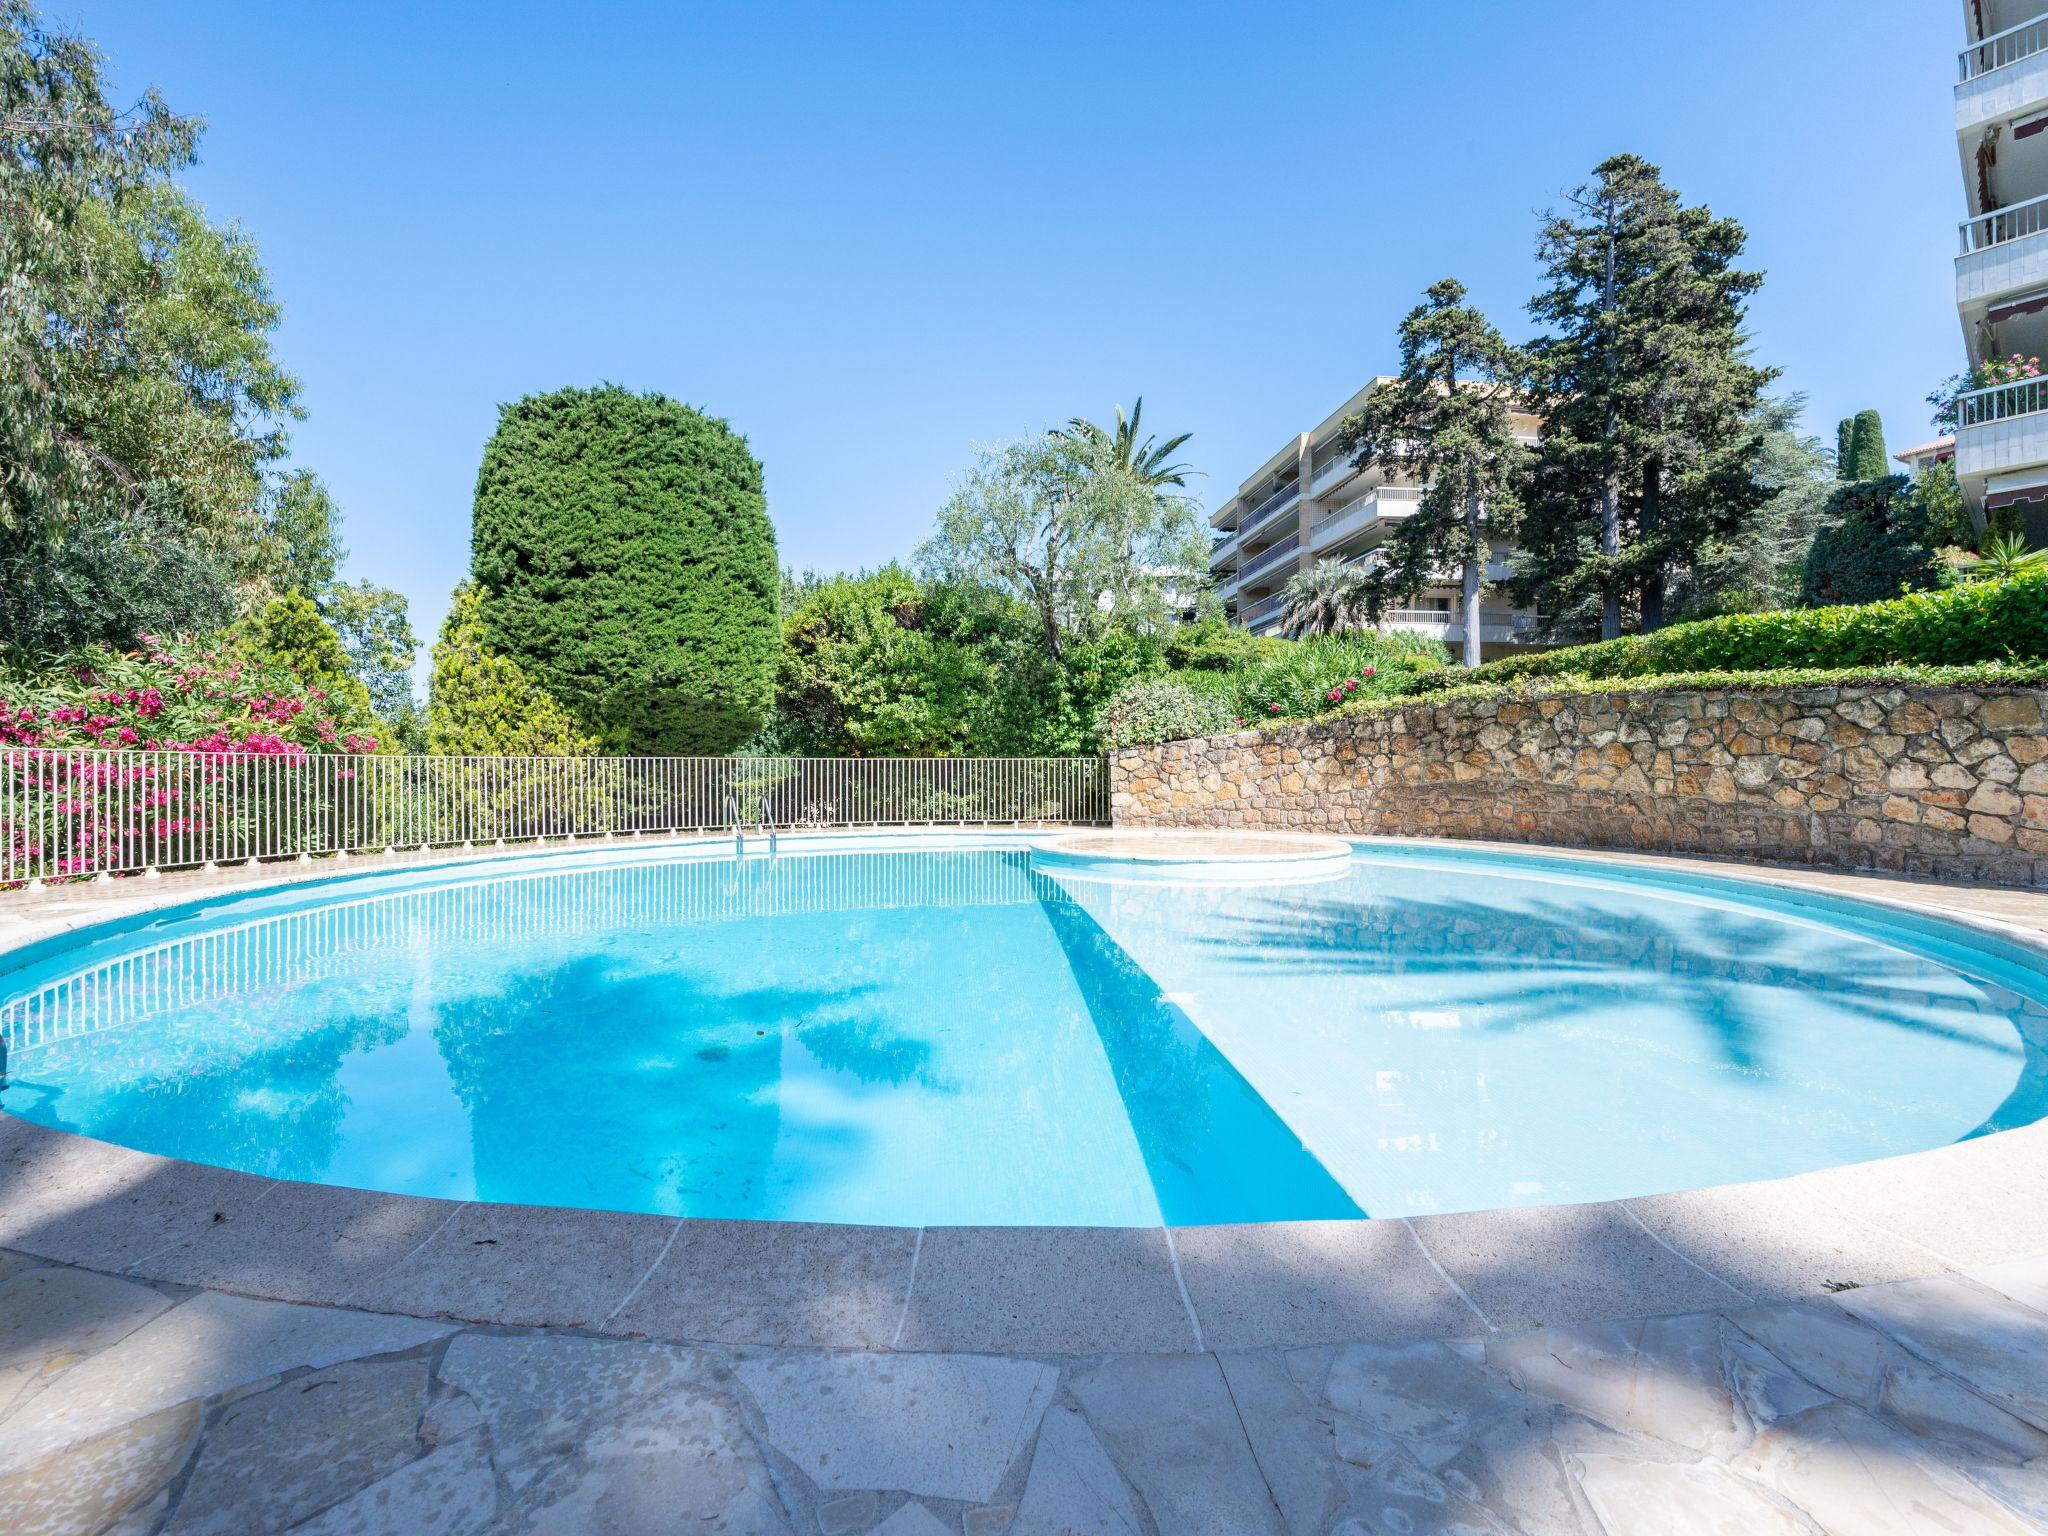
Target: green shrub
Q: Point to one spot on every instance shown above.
(1214, 645)
(1981, 622)
(1161, 709)
(480, 704)
(1312, 675)
(625, 560)
(869, 667)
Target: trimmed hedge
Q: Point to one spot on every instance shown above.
(624, 558)
(1981, 622)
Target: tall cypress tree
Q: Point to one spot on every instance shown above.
(1845, 440)
(624, 559)
(1865, 459)
(1446, 421)
(1646, 392)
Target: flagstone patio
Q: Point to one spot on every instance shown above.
(129, 1406)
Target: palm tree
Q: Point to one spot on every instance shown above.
(1149, 462)
(1331, 597)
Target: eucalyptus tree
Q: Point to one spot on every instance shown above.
(1647, 396)
(1447, 420)
(1328, 598)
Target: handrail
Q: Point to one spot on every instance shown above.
(1265, 559)
(2021, 41)
(2015, 221)
(2001, 402)
(1268, 509)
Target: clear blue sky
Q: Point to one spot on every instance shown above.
(873, 236)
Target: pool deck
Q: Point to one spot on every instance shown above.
(1860, 1349)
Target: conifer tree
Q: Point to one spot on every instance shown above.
(1446, 421)
(1647, 396)
(1845, 439)
(1866, 457)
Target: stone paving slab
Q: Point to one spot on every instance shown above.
(1046, 1290)
(1909, 1407)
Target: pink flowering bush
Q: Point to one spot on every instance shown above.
(2016, 369)
(210, 701)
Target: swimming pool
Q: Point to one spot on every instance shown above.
(938, 1031)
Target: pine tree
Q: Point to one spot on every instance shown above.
(1845, 438)
(1866, 457)
(1446, 421)
(1647, 397)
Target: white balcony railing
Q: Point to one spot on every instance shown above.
(66, 814)
(2005, 224)
(2003, 48)
(1363, 511)
(2001, 402)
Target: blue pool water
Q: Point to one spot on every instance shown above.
(945, 1034)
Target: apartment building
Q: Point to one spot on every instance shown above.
(2001, 448)
(1308, 503)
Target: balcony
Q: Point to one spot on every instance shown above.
(1287, 549)
(1268, 509)
(2003, 252)
(2004, 74)
(1362, 512)
(1265, 611)
(1496, 626)
(1332, 466)
(2002, 428)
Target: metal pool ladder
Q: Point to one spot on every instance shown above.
(764, 821)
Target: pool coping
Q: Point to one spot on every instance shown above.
(1025, 1290)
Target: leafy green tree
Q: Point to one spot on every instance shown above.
(1445, 420)
(1866, 458)
(108, 579)
(374, 625)
(1647, 396)
(1151, 462)
(1845, 441)
(480, 704)
(1874, 547)
(624, 558)
(1948, 520)
(134, 334)
(1762, 565)
(1329, 597)
(1059, 524)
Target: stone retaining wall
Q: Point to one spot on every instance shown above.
(1931, 781)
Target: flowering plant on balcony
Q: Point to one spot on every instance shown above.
(1946, 398)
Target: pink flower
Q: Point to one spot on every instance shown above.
(1273, 709)
(1369, 671)
(1350, 684)
(1336, 694)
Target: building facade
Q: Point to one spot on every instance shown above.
(2001, 449)
(1308, 503)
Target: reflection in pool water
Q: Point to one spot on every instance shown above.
(947, 1036)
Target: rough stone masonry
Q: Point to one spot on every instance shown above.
(1946, 782)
